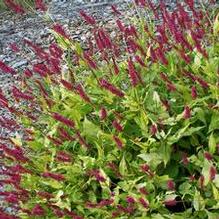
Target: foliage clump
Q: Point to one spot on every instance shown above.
(130, 131)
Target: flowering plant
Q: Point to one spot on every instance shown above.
(129, 131)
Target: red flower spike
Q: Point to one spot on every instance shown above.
(203, 83)
(153, 129)
(41, 69)
(134, 76)
(63, 156)
(37, 49)
(145, 168)
(140, 61)
(120, 25)
(55, 176)
(130, 200)
(79, 89)
(82, 140)
(103, 113)
(58, 213)
(143, 191)
(194, 93)
(63, 120)
(67, 84)
(5, 68)
(171, 87)
(28, 73)
(21, 95)
(40, 5)
(54, 65)
(186, 112)
(105, 202)
(170, 185)
(55, 141)
(208, 156)
(105, 84)
(105, 39)
(65, 135)
(117, 126)
(212, 173)
(55, 51)
(201, 181)
(89, 19)
(60, 30)
(143, 202)
(45, 195)
(185, 159)
(38, 210)
(89, 61)
(14, 47)
(11, 198)
(14, 6)
(116, 68)
(118, 142)
(115, 10)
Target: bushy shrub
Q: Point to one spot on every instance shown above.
(129, 131)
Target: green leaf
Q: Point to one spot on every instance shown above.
(212, 143)
(216, 25)
(123, 166)
(206, 171)
(53, 183)
(216, 180)
(90, 130)
(165, 152)
(152, 159)
(198, 201)
(214, 122)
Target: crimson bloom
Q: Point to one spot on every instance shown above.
(79, 89)
(67, 84)
(143, 202)
(108, 86)
(5, 68)
(63, 120)
(56, 176)
(186, 112)
(118, 141)
(60, 30)
(87, 18)
(38, 210)
(14, 6)
(117, 126)
(39, 4)
(103, 113)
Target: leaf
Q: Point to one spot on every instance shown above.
(53, 183)
(212, 215)
(185, 131)
(90, 130)
(198, 201)
(215, 192)
(214, 122)
(165, 152)
(212, 143)
(216, 25)
(206, 171)
(153, 159)
(123, 166)
(216, 180)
